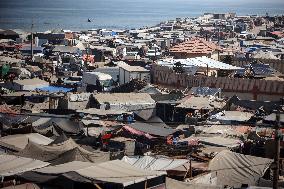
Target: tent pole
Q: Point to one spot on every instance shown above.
(277, 151)
(97, 186)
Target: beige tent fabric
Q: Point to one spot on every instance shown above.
(11, 165)
(63, 152)
(19, 141)
(174, 184)
(235, 169)
(157, 163)
(64, 168)
(23, 186)
(118, 172)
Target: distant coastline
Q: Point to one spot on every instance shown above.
(114, 14)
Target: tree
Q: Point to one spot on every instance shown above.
(228, 59)
(178, 67)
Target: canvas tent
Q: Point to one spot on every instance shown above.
(62, 152)
(157, 163)
(11, 165)
(116, 173)
(234, 169)
(45, 124)
(19, 141)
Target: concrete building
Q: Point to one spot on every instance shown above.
(127, 73)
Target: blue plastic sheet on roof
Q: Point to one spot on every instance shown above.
(251, 49)
(54, 89)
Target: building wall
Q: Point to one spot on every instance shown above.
(126, 76)
(257, 89)
(187, 55)
(276, 64)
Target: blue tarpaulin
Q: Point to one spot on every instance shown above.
(54, 89)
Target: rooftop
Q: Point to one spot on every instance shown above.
(195, 46)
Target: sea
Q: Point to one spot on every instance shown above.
(119, 14)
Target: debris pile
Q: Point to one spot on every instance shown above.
(132, 86)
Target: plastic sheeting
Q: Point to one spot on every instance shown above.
(63, 152)
(156, 163)
(226, 130)
(234, 169)
(118, 172)
(215, 141)
(136, 132)
(19, 141)
(174, 184)
(151, 129)
(11, 165)
(203, 62)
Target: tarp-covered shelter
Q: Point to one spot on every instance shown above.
(217, 141)
(175, 184)
(11, 165)
(57, 125)
(112, 174)
(201, 102)
(62, 152)
(156, 130)
(120, 173)
(157, 163)
(19, 141)
(234, 169)
(228, 117)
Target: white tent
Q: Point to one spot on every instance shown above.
(156, 163)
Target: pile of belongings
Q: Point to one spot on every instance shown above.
(132, 86)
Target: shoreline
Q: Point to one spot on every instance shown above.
(128, 28)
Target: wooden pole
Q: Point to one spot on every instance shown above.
(32, 36)
(277, 151)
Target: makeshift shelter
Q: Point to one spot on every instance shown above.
(62, 152)
(234, 169)
(19, 141)
(229, 117)
(157, 163)
(11, 165)
(140, 103)
(156, 130)
(217, 141)
(57, 124)
(122, 174)
(175, 184)
(226, 130)
(115, 173)
(23, 186)
(201, 102)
